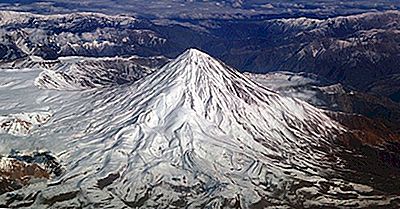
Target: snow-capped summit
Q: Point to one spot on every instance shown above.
(199, 64)
(208, 79)
(208, 85)
(195, 60)
(194, 52)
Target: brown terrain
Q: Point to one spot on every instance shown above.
(14, 174)
(20, 169)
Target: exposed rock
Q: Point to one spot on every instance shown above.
(23, 123)
(20, 169)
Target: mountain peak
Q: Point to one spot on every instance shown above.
(195, 64)
(193, 52)
(203, 72)
(194, 56)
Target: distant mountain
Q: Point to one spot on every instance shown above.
(354, 50)
(86, 34)
(133, 128)
(206, 9)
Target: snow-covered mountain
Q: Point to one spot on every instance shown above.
(195, 133)
(76, 73)
(23, 35)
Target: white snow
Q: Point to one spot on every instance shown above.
(5, 164)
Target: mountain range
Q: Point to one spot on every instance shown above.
(205, 9)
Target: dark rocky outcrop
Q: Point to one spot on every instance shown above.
(19, 169)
